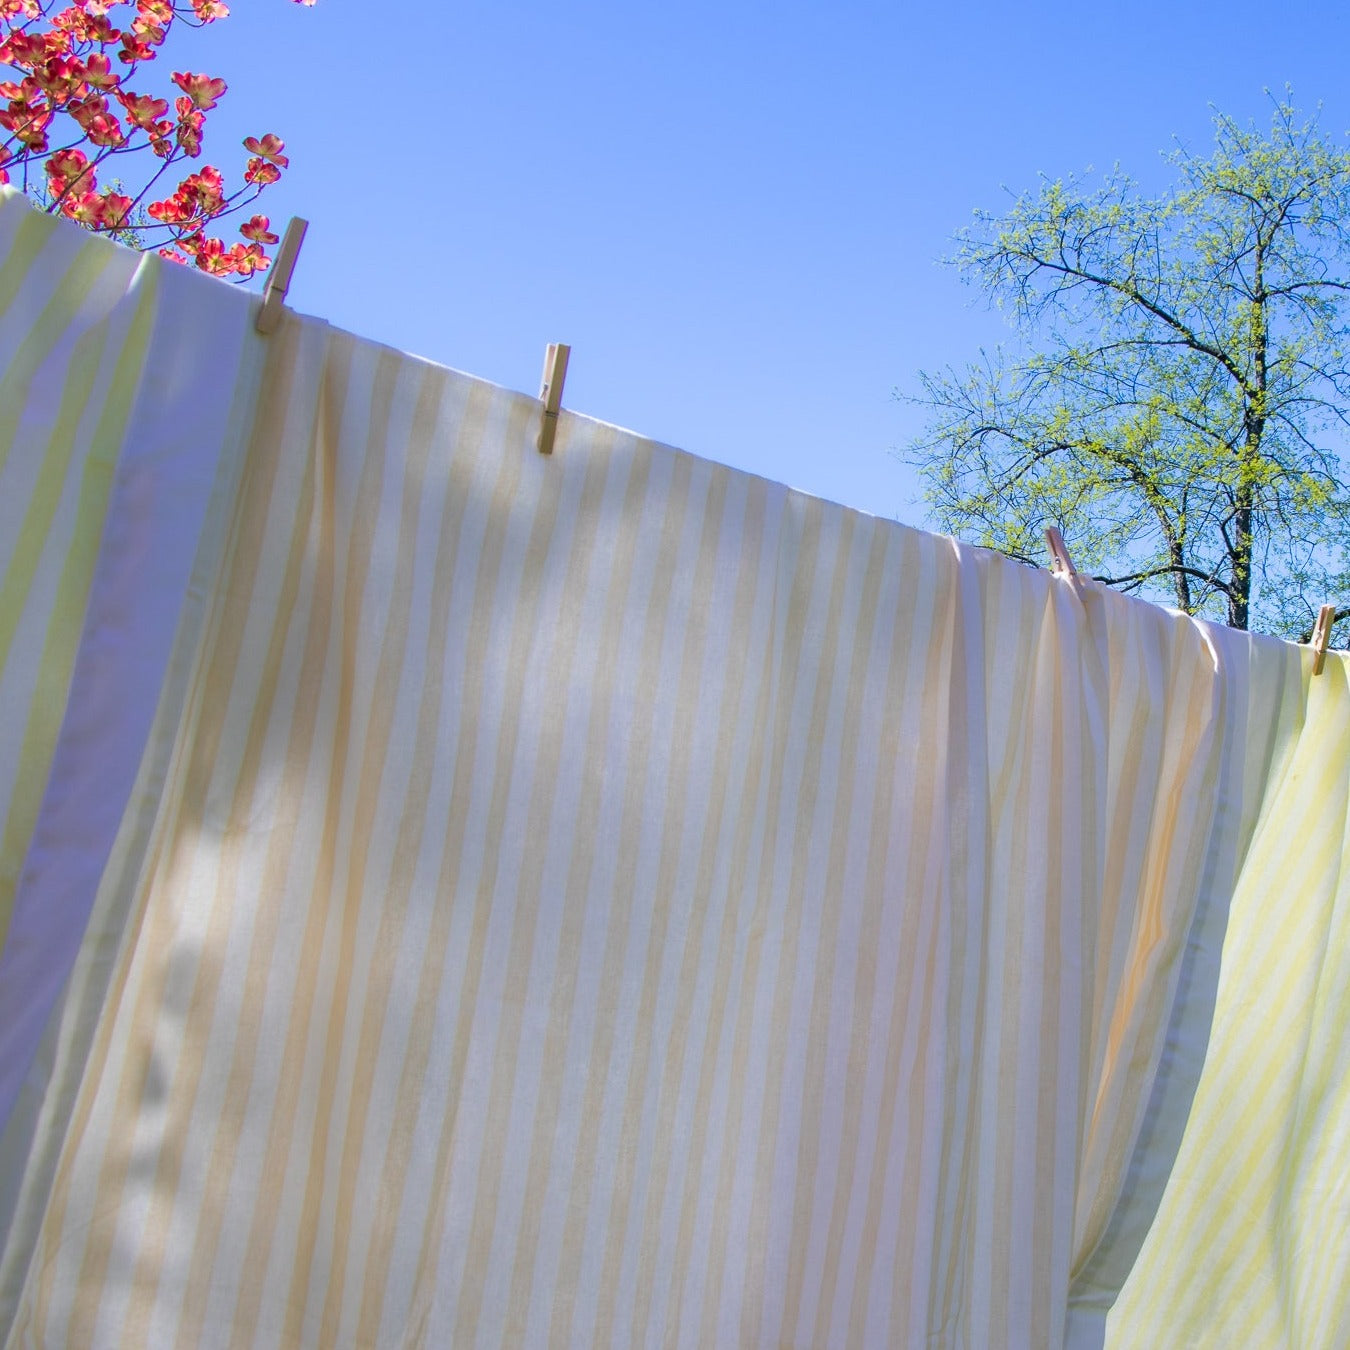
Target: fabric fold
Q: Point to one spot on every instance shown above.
(125, 381)
(1258, 1195)
(609, 898)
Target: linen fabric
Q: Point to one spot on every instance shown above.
(72, 350)
(111, 425)
(612, 899)
(1249, 1246)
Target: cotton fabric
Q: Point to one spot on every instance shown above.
(114, 409)
(611, 899)
(1249, 1246)
(71, 356)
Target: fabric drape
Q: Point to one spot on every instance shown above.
(76, 349)
(1249, 1246)
(611, 899)
(110, 448)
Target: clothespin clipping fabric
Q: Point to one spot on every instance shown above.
(279, 278)
(1326, 616)
(1059, 553)
(550, 392)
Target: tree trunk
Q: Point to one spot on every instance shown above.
(1180, 580)
(1240, 587)
(1254, 415)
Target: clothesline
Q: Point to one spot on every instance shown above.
(551, 389)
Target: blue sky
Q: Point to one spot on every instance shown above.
(733, 212)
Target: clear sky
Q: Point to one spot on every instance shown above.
(733, 212)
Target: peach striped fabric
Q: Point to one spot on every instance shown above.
(609, 899)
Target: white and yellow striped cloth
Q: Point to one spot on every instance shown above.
(1251, 1246)
(110, 444)
(609, 899)
(71, 356)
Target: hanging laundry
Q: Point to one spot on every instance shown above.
(609, 898)
(1250, 1244)
(119, 375)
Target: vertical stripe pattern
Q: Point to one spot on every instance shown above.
(71, 357)
(1260, 1194)
(125, 381)
(609, 899)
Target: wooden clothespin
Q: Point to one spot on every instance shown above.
(279, 278)
(1059, 554)
(550, 392)
(1326, 616)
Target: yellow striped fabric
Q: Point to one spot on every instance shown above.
(124, 384)
(611, 899)
(75, 319)
(1251, 1243)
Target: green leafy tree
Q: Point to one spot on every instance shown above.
(1178, 398)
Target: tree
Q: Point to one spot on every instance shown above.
(69, 115)
(1179, 398)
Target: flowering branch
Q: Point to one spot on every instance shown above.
(66, 115)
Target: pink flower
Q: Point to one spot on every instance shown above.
(260, 172)
(249, 259)
(116, 208)
(142, 110)
(190, 123)
(256, 228)
(269, 148)
(67, 168)
(98, 72)
(86, 207)
(135, 49)
(201, 89)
